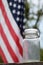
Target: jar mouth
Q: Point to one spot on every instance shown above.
(31, 30)
(31, 33)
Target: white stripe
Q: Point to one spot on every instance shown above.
(10, 39)
(6, 53)
(0, 17)
(12, 21)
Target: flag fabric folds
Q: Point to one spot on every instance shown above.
(11, 30)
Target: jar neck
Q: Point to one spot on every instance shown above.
(31, 36)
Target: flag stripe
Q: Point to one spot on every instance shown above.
(12, 21)
(11, 30)
(6, 52)
(9, 47)
(6, 41)
(9, 38)
(3, 56)
(0, 28)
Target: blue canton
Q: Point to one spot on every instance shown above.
(17, 10)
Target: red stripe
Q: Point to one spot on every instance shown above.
(0, 29)
(0, 3)
(14, 57)
(3, 56)
(15, 37)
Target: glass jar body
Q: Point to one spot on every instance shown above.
(31, 49)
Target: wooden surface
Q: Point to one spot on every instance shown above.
(32, 63)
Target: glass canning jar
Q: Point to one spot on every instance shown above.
(31, 45)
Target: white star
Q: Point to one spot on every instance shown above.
(19, 1)
(19, 6)
(18, 12)
(10, 3)
(14, 11)
(15, 0)
(14, 5)
(17, 19)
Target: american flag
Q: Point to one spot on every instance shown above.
(11, 30)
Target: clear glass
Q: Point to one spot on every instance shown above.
(31, 46)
